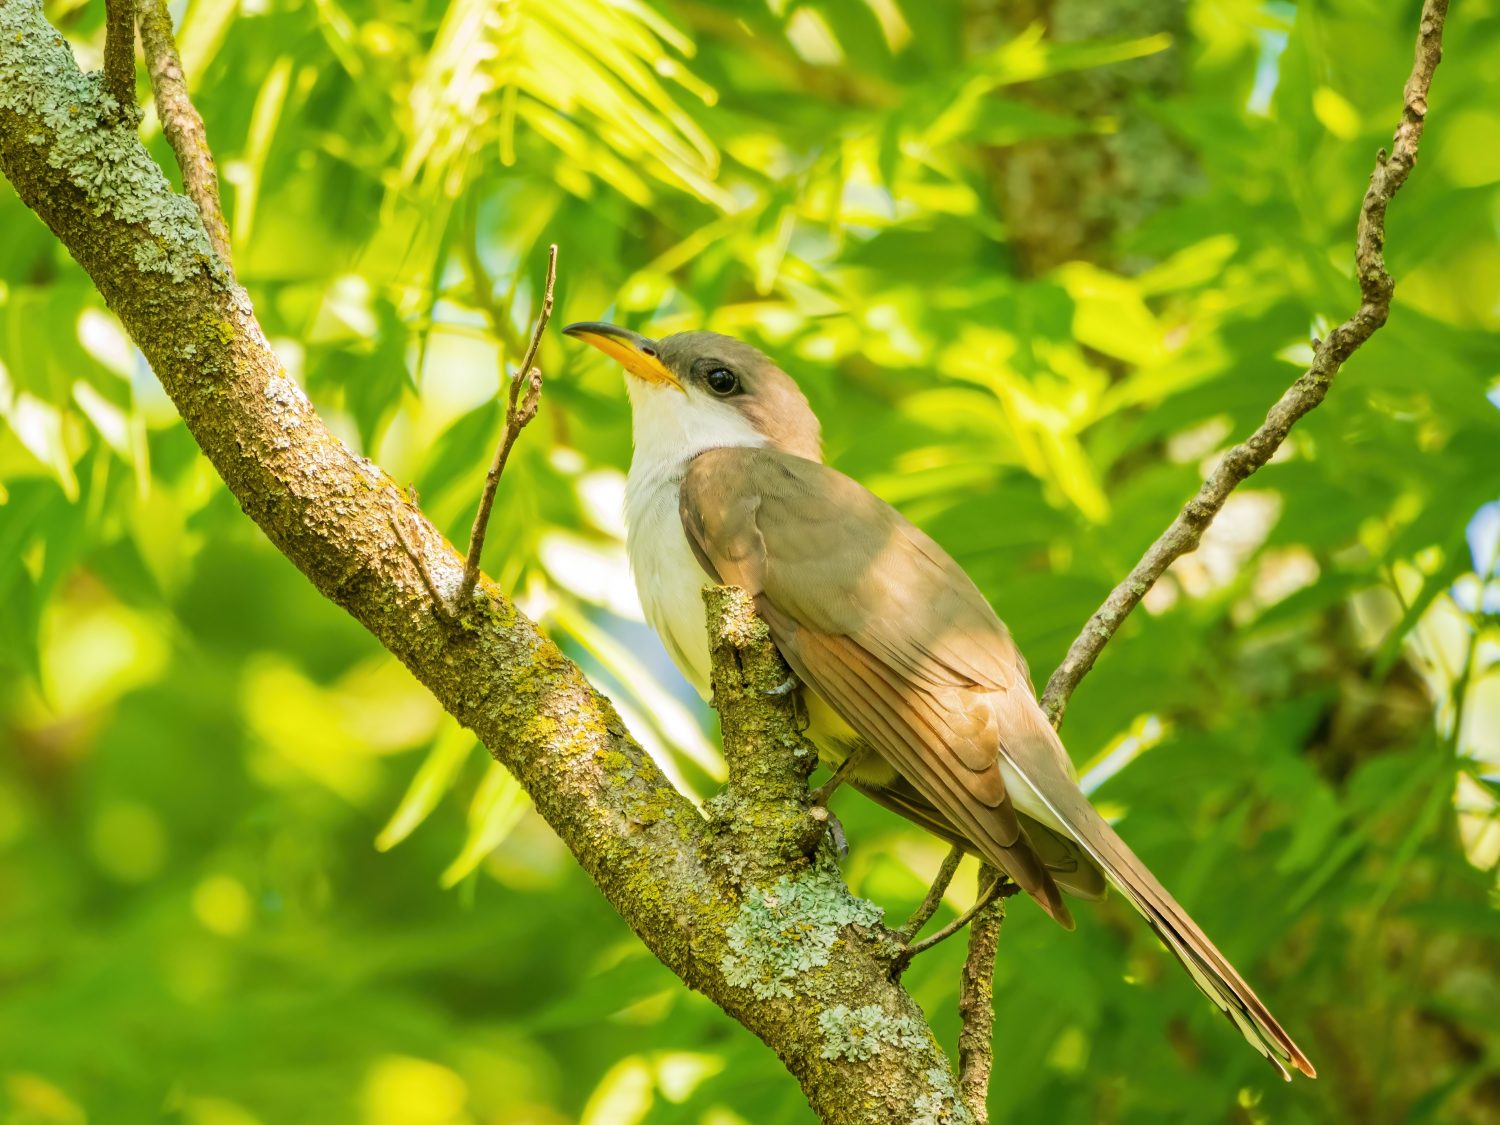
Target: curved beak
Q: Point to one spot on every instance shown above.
(637, 354)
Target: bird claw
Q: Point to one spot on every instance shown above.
(782, 688)
(836, 833)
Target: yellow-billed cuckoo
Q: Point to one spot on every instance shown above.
(897, 646)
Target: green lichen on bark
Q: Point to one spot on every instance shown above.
(782, 932)
(863, 1033)
(940, 1104)
(95, 146)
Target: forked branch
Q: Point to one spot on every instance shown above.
(1376, 288)
(181, 123)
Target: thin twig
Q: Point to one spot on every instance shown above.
(182, 124)
(923, 913)
(999, 887)
(1375, 286)
(976, 1005)
(119, 54)
(519, 410)
(403, 536)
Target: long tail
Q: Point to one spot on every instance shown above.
(1209, 968)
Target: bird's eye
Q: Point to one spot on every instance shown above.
(722, 381)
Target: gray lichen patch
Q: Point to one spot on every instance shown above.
(783, 932)
(941, 1104)
(69, 113)
(863, 1033)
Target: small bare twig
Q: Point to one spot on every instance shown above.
(520, 409)
(999, 886)
(923, 913)
(976, 1005)
(413, 552)
(119, 54)
(1375, 286)
(182, 124)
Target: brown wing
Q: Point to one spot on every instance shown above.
(1064, 860)
(882, 624)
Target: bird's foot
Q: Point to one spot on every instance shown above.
(819, 796)
(782, 688)
(835, 829)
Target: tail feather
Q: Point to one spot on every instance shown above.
(1211, 971)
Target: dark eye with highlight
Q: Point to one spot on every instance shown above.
(721, 380)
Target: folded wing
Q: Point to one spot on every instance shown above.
(882, 624)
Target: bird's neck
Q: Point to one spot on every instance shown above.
(669, 429)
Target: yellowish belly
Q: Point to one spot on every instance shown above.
(835, 739)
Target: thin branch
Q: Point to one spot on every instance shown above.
(519, 410)
(182, 124)
(999, 887)
(976, 1006)
(119, 54)
(924, 912)
(1375, 286)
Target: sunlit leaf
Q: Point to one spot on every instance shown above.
(432, 780)
(498, 804)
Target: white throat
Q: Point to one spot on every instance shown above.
(670, 428)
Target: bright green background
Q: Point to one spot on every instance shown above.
(1032, 275)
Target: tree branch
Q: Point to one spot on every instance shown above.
(772, 936)
(182, 124)
(119, 54)
(934, 897)
(1375, 286)
(976, 1004)
(774, 857)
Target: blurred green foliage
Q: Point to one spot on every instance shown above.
(1034, 264)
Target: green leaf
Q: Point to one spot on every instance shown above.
(498, 805)
(434, 777)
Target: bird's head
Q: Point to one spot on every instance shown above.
(700, 390)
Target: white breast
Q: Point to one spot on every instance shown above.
(671, 427)
(668, 576)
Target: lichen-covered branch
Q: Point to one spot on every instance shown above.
(774, 857)
(1375, 286)
(773, 937)
(181, 123)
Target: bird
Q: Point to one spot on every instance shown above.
(896, 648)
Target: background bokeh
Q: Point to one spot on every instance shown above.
(1035, 263)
